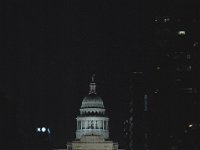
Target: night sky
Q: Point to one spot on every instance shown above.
(51, 49)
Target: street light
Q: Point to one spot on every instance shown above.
(43, 129)
(190, 125)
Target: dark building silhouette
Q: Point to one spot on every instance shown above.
(139, 111)
(164, 106)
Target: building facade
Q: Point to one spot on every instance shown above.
(92, 125)
(92, 119)
(171, 82)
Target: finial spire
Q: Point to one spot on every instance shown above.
(92, 86)
(93, 78)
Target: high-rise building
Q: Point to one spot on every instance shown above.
(172, 82)
(176, 76)
(139, 119)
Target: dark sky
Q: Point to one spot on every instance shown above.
(51, 49)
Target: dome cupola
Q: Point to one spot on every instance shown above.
(92, 103)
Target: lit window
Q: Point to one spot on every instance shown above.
(130, 119)
(135, 72)
(181, 32)
(126, 121)
(184, 68)
(188, 56)
(158, 68)
(131, 110)
(166, 19)
(156, 91)
(189, 68)
(188, 90)
(195, 44)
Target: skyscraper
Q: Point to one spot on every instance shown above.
(139, 119)
(171, 81)
(176, 74)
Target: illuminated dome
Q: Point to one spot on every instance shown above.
(92, 103)
(92, 119)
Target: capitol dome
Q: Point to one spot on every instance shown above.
(92, 101)
(92, 119)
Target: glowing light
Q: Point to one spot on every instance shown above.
(181, 32)
(48, 130)
(156, 91)
(158, 68)
(195, 44)
(43, 129)
(190, 125)
(38, 129)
